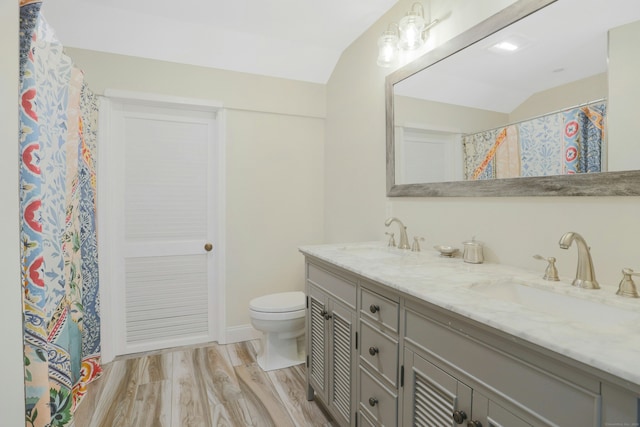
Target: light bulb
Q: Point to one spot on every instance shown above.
(387, 49)
(411, 28)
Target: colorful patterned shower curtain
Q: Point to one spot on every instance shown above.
(58, 122)
(565, 142)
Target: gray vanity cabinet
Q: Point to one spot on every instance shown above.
(331, 302)
(435, 398)
(381, 357)
(378, 350)
(512, 384)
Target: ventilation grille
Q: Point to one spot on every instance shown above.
(342, 365)
(317, 342)
(433, 406)
(166, 297)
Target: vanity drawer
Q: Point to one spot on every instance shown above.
(377, 402)
(332, 283)
(379, 309)
(380, 352)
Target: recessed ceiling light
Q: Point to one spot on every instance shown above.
(510, 44)
(506, 46)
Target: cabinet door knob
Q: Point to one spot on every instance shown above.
(373, 351)
(324, 313)
(327, 316)
(374, 308)
(373, 402)
(474, 423)
(459, 417)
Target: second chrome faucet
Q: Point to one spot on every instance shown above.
(585, 274)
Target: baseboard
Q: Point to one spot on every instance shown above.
(239, 333)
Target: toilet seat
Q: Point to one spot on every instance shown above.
(283, 302)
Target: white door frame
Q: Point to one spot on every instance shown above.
(108, 217)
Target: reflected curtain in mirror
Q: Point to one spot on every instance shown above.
(560, 143)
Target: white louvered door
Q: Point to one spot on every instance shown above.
(165, 192)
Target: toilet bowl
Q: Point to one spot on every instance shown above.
(280, 318)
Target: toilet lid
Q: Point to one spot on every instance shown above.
(278, 303)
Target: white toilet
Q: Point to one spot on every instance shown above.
(280, 318)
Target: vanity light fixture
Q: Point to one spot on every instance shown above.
(410, 34)
(388, 47)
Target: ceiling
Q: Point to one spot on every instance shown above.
(293, 39)
(566, 41)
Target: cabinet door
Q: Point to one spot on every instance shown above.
(490, 414)
(341, 360)
(431, 396)
(317, 341)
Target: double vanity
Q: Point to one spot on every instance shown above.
(400, 338)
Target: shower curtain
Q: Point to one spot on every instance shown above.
(565, 142)
(58, 121)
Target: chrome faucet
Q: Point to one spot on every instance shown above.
(404, 240)
(585, 275)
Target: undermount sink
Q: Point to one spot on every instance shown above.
(373, 252)
(580, 311)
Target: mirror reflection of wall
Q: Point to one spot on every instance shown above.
(619, 87)
(624, 94)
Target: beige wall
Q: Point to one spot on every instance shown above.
(440, 116)
(513, 228)
(11, 370)
(274, 161)
(624, 91)
(561, 97)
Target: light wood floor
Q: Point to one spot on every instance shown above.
(216, 385)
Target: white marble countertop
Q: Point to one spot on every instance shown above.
(561, 319)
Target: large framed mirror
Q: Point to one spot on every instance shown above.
(555, 117)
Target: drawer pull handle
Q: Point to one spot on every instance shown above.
(474, 423)
(373, 402)
(374, 308)
(459, 417)
(373, 351)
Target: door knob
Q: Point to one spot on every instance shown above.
(208, 247)
(374, 308)
(373, 401)
(459, 417)
(474, 423)
(373, 351)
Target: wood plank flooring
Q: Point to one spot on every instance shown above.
(209, 386)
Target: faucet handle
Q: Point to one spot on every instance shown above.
(416, 244)
(627, 287)
(551, 272)
(392, 240)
